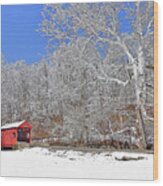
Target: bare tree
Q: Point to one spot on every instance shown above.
(101, 22)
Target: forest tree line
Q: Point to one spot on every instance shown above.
(78, 94)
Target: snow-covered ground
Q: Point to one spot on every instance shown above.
(40, 162)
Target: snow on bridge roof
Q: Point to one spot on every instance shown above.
(12, 125)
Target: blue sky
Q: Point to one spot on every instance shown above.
(19, 37)
(21, 41)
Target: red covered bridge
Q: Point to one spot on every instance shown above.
(13, 133)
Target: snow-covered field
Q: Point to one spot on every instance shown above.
(40, 162)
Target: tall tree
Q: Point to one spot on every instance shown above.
(126, 27)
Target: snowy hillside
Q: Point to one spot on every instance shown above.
(40, 162)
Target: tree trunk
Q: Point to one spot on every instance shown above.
(140, 89)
